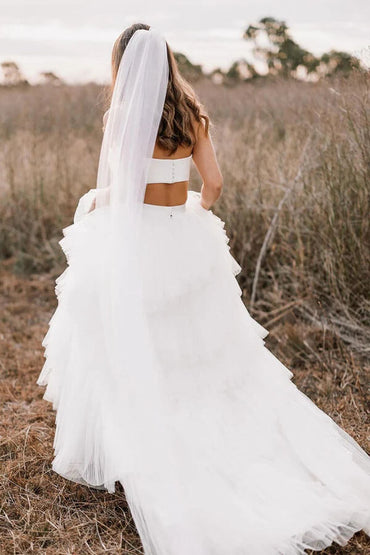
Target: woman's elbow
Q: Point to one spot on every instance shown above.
(220, 184)
(217, 185)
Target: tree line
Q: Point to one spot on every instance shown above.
(272, 45)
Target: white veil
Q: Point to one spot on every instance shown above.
(137, 440)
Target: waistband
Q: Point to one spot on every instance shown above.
(157, 208)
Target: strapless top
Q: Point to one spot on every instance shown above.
(166, 170)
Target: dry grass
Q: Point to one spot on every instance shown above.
(295, 162)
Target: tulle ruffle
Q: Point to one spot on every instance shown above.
(259, 467)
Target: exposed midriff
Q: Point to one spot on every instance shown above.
(168, 194)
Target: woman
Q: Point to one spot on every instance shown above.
(158, 373)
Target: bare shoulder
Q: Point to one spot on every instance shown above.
(200, 130)
(196, 128)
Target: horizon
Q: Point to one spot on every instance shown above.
(63, 38)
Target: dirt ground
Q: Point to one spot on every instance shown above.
(43, 513)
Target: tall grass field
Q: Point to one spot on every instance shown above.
(295, 158)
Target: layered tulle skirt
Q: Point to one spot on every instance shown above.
(258, 468)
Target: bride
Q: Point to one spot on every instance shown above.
(158, 374)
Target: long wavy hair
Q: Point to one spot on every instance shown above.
(181, 109)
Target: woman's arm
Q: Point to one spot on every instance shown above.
(204, 157)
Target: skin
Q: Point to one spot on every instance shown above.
(205, 160)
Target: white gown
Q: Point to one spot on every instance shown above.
(260, 469)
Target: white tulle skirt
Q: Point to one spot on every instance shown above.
(259, 468)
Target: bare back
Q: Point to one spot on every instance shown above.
(168, 194)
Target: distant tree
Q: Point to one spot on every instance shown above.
(282, 54)
(50, 78)
(217, 76)
(191, 72)
(338, 62)
(233, 72)
(12, 74)
(241, 70)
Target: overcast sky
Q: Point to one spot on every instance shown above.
(74, 38)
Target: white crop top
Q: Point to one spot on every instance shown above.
(165, 170)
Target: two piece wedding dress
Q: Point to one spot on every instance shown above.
(242, 462)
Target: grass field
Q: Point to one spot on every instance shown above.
(295, 159)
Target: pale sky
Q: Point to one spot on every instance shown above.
(74, 38)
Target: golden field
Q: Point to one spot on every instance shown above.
(296, 163)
